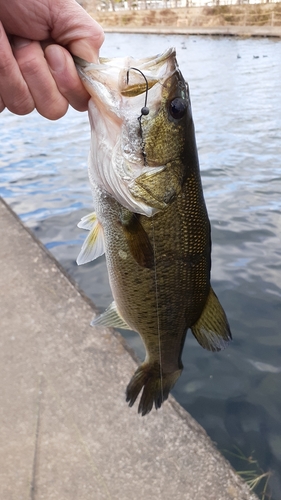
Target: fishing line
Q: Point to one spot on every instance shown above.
(144, 110)
(157, 310)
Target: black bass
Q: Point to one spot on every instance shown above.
(150, 217)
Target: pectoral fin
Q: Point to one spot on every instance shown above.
(93, 246)
(212, 329)
(110, 317)
(138, 241)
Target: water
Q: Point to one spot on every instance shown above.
(234, 394)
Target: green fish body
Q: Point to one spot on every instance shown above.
(154, 228)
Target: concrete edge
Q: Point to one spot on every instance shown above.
(235, 31)
(219, 471)
(68, 277)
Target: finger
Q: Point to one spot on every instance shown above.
(65, 74)
(77, 30)
(14, 91)
(48, 100)
(2, 105)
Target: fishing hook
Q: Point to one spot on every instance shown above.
(144, 110)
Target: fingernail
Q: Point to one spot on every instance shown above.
(84, 50)
(19, 42)
(55, 57)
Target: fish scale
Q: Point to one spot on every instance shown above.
(152, 226)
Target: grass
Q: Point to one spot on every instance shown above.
(256, 478)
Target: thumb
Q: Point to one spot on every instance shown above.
(73, 28)
(87, 49)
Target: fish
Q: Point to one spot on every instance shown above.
(150, 216)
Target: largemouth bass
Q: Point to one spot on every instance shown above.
(150, 216)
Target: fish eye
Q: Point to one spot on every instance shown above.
(177, 108)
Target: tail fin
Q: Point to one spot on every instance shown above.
(156, 388)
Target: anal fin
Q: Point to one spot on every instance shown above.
(212, 329)
(110, 317)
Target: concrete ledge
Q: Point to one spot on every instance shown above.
(66, 432)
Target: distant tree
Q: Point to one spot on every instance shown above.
(89, 5)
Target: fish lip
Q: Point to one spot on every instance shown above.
(144, 62)
(124, 64)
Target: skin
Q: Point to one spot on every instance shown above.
(36, 67)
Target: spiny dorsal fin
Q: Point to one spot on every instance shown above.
(212, 329)
(93, 246)
(110, 317)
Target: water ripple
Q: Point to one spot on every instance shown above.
(237, 111)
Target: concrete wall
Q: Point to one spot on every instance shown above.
(221, 15)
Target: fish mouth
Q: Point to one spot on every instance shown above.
(105, 72)
(111, 79)
(120, 89)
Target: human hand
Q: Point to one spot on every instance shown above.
(36, 67)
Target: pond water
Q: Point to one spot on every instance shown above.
(235, 89)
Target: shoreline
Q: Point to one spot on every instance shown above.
(238, 31)
(67, 432)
